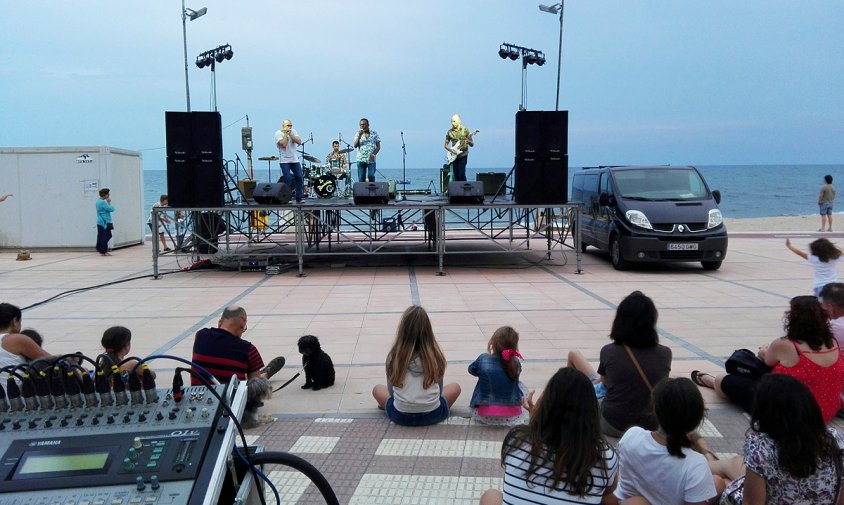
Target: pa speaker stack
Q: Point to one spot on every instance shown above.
(194, 159)
(542, 166)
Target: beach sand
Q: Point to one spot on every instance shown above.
(808, 224)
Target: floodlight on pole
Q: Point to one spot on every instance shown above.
(557, 9)
(210, 59)
(188, 14)
(529, 57)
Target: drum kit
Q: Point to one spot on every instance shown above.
(322, 177)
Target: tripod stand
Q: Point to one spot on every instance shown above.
(403, 169)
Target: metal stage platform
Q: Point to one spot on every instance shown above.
(258, 237)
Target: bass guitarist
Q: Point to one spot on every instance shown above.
(458, 140)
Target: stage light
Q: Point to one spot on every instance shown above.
(229, 53)
(514, 55)
(219, 57)
(191, 15)
(503, 53)
(529, 57)
(557, 9)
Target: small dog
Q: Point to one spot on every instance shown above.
(319, 370)
(257, 390)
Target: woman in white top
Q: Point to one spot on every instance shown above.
(560, 456)
(15, 347)
(659, 467)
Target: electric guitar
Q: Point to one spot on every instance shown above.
(459, 147)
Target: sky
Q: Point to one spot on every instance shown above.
(707, 82)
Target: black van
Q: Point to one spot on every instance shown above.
(650, 214)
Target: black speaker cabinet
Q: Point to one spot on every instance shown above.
(194, 159)
(466, 192)
(208, 227)
(272, 193)
(207, 134)
(208, 182)
(541, 132)
(493, 182)
(180, 181)
(368, 193)
(541, 180)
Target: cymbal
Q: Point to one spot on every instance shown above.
(268, 158)
(346, 150)
(312, 159)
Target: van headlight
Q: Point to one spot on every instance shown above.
(715, 219)
(639, 219)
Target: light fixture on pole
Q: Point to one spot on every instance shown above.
(529, 57)
(210, 59)
(188, 14)
(557, 9)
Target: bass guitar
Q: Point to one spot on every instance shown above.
(459, 147)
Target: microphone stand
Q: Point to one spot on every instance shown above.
(403, 169)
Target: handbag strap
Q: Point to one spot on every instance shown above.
(639, 368)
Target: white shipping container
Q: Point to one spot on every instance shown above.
(55, 192)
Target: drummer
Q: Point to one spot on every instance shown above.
(336, 161)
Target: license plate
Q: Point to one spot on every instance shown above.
(683, 246)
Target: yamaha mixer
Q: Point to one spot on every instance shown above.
(85, 442)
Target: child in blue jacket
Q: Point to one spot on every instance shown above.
(497, 398)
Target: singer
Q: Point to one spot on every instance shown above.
(368, 144)
(287, 139)
(458, 140)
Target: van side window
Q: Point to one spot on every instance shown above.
(605, 183)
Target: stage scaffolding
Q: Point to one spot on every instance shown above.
(257, 237)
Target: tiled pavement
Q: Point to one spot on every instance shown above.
(354, 310)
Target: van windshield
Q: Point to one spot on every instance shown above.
(660, 184)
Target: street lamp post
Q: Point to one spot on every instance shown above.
(557, 9)
(188, 14)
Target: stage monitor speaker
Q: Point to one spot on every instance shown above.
(494, 182)
(541, 180)
(467, 192)
(272, 193)
(541, 132)
(371, 193)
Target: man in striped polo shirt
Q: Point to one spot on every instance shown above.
(223, 353)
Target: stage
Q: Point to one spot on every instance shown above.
(266, 237)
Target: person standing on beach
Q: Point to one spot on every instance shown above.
(825, 199)
(104, 224)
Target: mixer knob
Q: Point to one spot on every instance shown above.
(159, 416)
(142, 418)
(48, 424)
(63, 422)
(32, 425)
(16, 425)
(110, 419)
(172, 415)
(133, 454)
(95, 421)
(139, 483)
(153, 482)
(137, 444)
(204, 412)
(126, 418)
(189, 414)
(127, 464)
(79, 422)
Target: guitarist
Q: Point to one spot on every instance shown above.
(458, 140)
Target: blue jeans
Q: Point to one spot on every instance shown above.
(103, 236)
(459, 168)
(420, 419)
(366, 170)
(293, 171)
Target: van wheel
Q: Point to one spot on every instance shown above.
(711, 265)
(618, 261)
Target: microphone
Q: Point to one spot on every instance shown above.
(312, 136)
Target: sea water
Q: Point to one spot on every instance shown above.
(746, 190)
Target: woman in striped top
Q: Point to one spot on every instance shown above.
(560, 456)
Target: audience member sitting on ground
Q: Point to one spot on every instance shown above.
(832, 300)
(560, 456)
(16, 348)
(807, 352)
(117, 342)
(497, 398)
(790, 455)
(414, 394)
(224, 353)
(635, 344)
(34, 335)
(660, 467)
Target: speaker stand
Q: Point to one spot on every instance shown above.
(503, 184)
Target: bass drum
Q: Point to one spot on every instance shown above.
(325, 185)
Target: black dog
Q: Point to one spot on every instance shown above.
(319, 370)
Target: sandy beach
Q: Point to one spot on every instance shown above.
(808, 224)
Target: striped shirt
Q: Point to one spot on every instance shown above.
(224, 355)
(517, 491)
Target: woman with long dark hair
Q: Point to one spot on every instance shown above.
(560, 455)
(662, 467)
(807, 352)
(790, 455)
(635, 351)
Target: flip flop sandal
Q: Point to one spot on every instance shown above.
(696, 378)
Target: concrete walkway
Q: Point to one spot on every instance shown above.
(354, 311)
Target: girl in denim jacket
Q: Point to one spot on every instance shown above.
(497, 398)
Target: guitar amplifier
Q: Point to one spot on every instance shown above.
(493, 182)
(371, 193)
(272, 193)
(468, 192)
